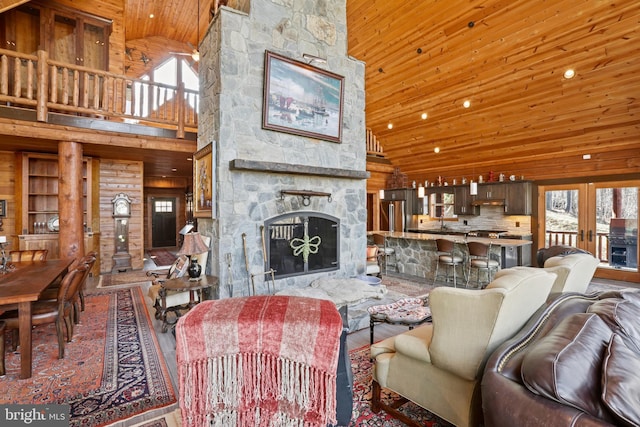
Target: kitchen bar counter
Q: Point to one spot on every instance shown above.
(415, 253)
(458, 238)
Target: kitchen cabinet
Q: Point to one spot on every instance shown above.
(417, 204)
(462, 203)
(395, 194)
(69, 35)
(496, 190)
(518, 198)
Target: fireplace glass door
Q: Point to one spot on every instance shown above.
(302, 243)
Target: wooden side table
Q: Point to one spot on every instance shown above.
(196, 294)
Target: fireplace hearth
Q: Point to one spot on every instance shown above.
(301, 243)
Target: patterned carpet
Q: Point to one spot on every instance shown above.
(129, 278)
(362, 415)
(161, 257)
(113, 369)
(407, 285)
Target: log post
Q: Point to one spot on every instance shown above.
(71, 238)
(43, 86)
(180, 105)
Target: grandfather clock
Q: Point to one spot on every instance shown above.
(121, 214)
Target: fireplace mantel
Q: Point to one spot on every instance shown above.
(286, 168)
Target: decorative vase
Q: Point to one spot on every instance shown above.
(194, 269)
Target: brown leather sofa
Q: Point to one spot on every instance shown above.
(575, 363)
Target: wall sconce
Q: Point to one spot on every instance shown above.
(421, 192)
(473, 188)
(381, 194)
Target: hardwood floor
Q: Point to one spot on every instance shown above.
(167, 342)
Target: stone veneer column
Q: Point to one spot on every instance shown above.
(231, 88)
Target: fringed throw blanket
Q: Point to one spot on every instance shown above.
(259, 361)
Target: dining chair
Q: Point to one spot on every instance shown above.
(480, 260)
(447, 257)
(26, 255)
(51, 293)
(59, 311)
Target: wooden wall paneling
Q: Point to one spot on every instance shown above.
(118, 176)
(7, 192)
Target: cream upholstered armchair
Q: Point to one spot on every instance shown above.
(439, 365)
(574, 271)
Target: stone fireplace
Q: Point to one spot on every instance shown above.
(264, 178)
(302, 243)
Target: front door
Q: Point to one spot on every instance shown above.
(163, 222)
(601, 218)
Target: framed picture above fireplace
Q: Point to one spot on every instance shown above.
(302, 99)
(203, 183)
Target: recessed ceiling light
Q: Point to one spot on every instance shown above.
(424, 116)
(174, 170)
(390, 125)
(436, 150)
(151, 15)
(189, 159)
(586, 156)
(466, 104)
(569, 74)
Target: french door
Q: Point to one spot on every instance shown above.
(601, 218)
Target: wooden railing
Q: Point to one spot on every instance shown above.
(374, 148)
(45, 85)
(570, 238)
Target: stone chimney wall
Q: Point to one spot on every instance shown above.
(252, 165)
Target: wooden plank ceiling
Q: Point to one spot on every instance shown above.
(424, 57)
(507, 57)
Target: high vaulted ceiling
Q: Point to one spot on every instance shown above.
(507, 57)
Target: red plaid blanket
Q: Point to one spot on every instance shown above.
(259, 361)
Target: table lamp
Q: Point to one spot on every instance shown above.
(193, 245)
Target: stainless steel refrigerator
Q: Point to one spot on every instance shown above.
(393, 215)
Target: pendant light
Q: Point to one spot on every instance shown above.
(473, 188)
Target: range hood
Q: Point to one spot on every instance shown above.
(488, 202)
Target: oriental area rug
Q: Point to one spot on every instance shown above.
(129, 278)
(161, 257)
(112, 370)
(362, 416)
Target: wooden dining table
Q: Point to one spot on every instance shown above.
(22, 286)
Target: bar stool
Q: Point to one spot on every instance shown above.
(448, 258)
(381, 242)
(480, 260)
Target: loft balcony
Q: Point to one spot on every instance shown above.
(36, 88)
